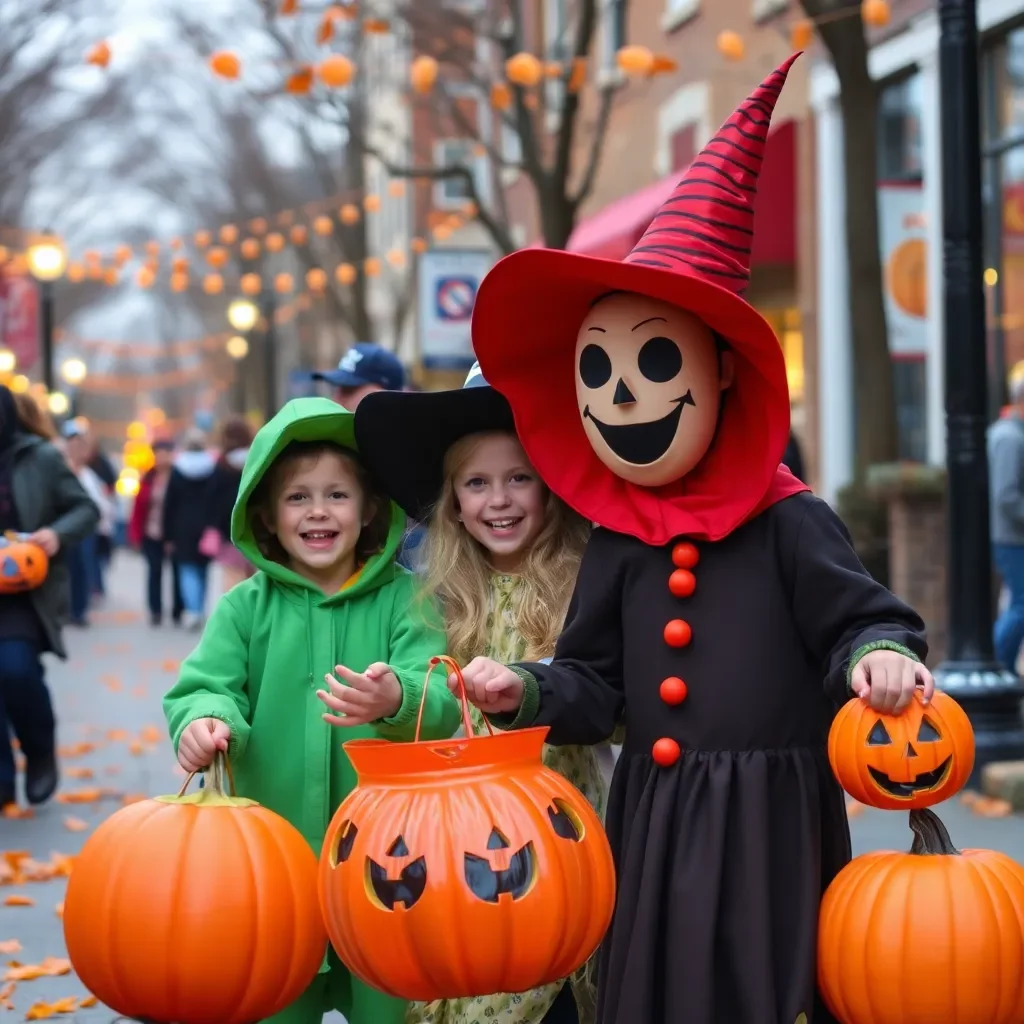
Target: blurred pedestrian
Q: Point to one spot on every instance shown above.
(84, 562)
(363, 369)
(1006, 506)
(793, 458)
(235, 437)
(34, 419)
(40, 496)
(185, 503)
(146, 534)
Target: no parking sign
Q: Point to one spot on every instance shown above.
(448, 283)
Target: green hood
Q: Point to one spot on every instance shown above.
(306, 419)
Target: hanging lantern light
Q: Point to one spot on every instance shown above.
(153, 248)
(250, 284)
(300, 82)
(299, 234)
(524, 69)
(323, 226)
(110, 276)
(122, 254)
(336, 71)
(730, 45)
(578, 76)
(179, 265)
(371, 266)
(418, 245)
(213, 284)
(258, 226)
(636, 61)
(179, 281)
(396, 189)
(345, 273)
(283, 283)
(75, 272)
(250, 249)
(203, 238)
(285, 217)
(229, 234)
(800, 34)
(875, 13)
(349, 214)
(316, 279)
(98, 55)
(552, 69)
(423, 74)
(217, 257)
(287, 7)
(396, 258)
(442, 232)
(145, 278)
(274, 242)
(225, 64)
(371, 203)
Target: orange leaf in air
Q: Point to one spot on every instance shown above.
(75, 824)
(10, 946)
(19, 901)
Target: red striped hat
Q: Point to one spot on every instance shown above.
(696, 255)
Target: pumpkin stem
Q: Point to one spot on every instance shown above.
(930, 835)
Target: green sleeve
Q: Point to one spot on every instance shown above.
(77, 515)
(213, 682)
(417, 635)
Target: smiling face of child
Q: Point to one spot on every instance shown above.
(319, 511)
(500, 498)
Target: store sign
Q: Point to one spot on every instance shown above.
(448, 283)
(903, 238)
(19, 318)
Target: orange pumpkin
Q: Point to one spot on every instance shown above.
(23, 566)
(934, 935)
(917, 758)
(460, 867)
(176, 909)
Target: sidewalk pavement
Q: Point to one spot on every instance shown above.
(115, 749)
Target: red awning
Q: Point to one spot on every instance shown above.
(613, 231)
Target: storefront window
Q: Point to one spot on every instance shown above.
(899, 130)
(787, 327)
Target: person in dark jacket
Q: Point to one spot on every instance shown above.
(39, 496)
(235, 438)
(145, 533)
(185, 512)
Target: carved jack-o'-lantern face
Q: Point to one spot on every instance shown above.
(649, 379)
(23, 566)
(911, 760)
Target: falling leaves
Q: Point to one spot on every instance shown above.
(17, 900)
(73, 824)
(89, 795)
(51, 967)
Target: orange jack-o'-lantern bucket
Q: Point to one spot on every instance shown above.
(463, 867)
(23, 565)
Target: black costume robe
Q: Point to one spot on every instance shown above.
(723, 856)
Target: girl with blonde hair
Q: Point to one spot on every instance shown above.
(502, 553)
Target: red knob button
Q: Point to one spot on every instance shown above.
(685, 555)
(678, 633)
(673, 690)
(665, 752)
(682, 583)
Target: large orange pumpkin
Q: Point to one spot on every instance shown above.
(464, 867)
(917, 758)
(199, 908)
(934, 936)
(23, 565)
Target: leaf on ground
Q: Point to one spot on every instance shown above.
(170, 665)
(73, 824)
(10, 946)
(15, 858)
(77, 772)
(76, 749)
(80, 796)
(133, 798)
(16, 900)
(139, 691)
(116, 735)
(986, 807)
(112, 769)
(86, 1001)
(969, 797)
(112, 683)
(51, 967)
(136, 748)
(14, 812)
(59, 909)
(152, 734)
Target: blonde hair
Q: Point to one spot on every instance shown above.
(458, 572)
(34, 419)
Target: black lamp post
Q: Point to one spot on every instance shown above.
(989, 692)
(47, 261)
(270, 352)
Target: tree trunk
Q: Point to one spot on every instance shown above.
(354, 242)
(874, 400)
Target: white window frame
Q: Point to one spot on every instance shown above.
(761, 10)
(477, 164)
(688, 105)
(678, 12)
(608, 69)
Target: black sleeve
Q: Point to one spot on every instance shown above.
(838, 607)
(580, 695)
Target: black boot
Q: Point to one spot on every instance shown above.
(41, 778)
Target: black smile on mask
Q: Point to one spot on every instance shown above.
(640, 444)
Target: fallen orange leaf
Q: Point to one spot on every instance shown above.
(112, 683)
(19, 901)
(139, 691)
(14, 811)
(10, 946)
(86, 1001)
(151, 734)
(170, 666)
(15, 858)
(80, 796)
(115, 735)
(76, 772)
(969, 797)
(59, 909)
(40, 1011)
(75, 824)
(133, 798)
(76, 749)
(136, 747)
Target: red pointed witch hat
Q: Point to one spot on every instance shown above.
(696, 255)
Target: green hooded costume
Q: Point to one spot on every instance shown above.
(263, 656)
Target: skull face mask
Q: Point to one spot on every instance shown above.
(648, 384)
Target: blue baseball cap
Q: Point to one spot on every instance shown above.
(366, 363)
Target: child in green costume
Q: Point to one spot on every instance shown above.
(328, 600)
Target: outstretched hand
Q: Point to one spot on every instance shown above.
(494, 688)
(363, 697)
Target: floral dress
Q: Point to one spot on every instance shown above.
(581, 766)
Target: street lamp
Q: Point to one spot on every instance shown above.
(58, 403)
(8, 361)
(47, 259)
(238, 348)
(989, 692)
(74, 372)
(243, 315)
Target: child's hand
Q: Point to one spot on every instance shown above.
(492, 687)
(888, 679)
(200, 742)
(369, 696)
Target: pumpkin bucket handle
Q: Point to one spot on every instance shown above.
(220, 772)
(453, 669)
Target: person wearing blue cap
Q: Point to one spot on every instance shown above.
(363, 369)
